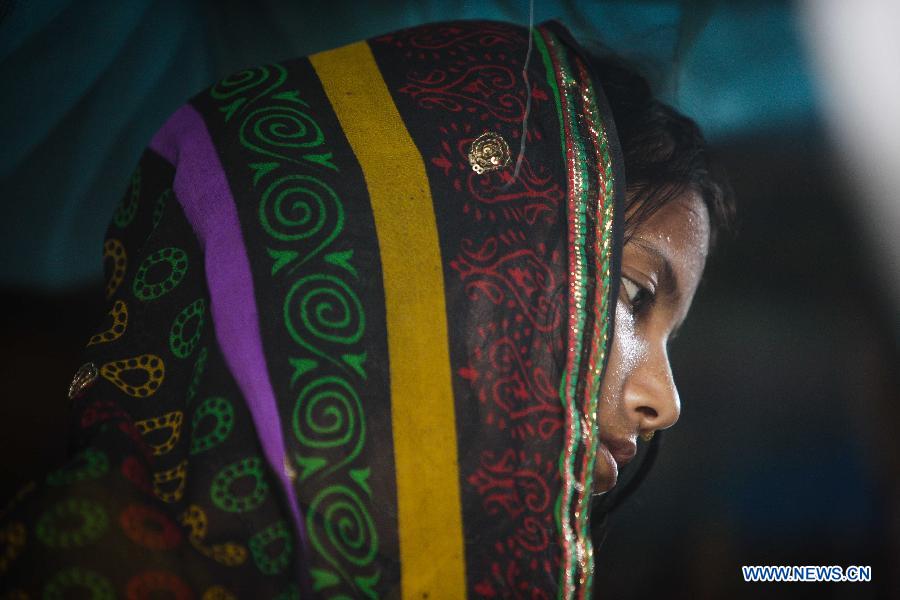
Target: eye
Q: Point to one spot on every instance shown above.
(638, 296)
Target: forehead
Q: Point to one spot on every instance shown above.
(683, 218)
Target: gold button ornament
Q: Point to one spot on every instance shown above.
(489, 152)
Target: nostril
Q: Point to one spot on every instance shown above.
(648, 412)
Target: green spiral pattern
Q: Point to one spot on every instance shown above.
(246, 80)
(328, 414)
(323, 307)
(277, 130)
(340, 526)
(302, 214)
(300, 207)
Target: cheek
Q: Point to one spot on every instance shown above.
(625, 355)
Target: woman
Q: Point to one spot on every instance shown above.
(361, 306)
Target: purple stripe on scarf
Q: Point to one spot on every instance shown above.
(205, 197)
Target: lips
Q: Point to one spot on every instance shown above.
(623, 450)
(611, 456)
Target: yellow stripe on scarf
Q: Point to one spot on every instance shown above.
(424, 424)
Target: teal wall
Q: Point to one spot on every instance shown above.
(88, 83)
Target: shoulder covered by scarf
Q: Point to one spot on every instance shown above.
(357, 327)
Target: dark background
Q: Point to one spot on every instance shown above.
(787, 448)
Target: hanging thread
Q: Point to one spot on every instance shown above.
(521, 153)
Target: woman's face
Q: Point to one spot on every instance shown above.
(661, 267)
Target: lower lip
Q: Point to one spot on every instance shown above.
(606, 471)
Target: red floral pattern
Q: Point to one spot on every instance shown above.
(532, 197)
(468, 79)
(441, 41)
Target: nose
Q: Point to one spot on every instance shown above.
(651, 398)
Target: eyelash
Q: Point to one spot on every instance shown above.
(643, 297)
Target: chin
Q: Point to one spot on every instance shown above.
(606, 471)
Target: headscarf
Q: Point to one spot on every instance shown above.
(360, 305)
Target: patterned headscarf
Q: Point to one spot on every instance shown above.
(356, 333)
